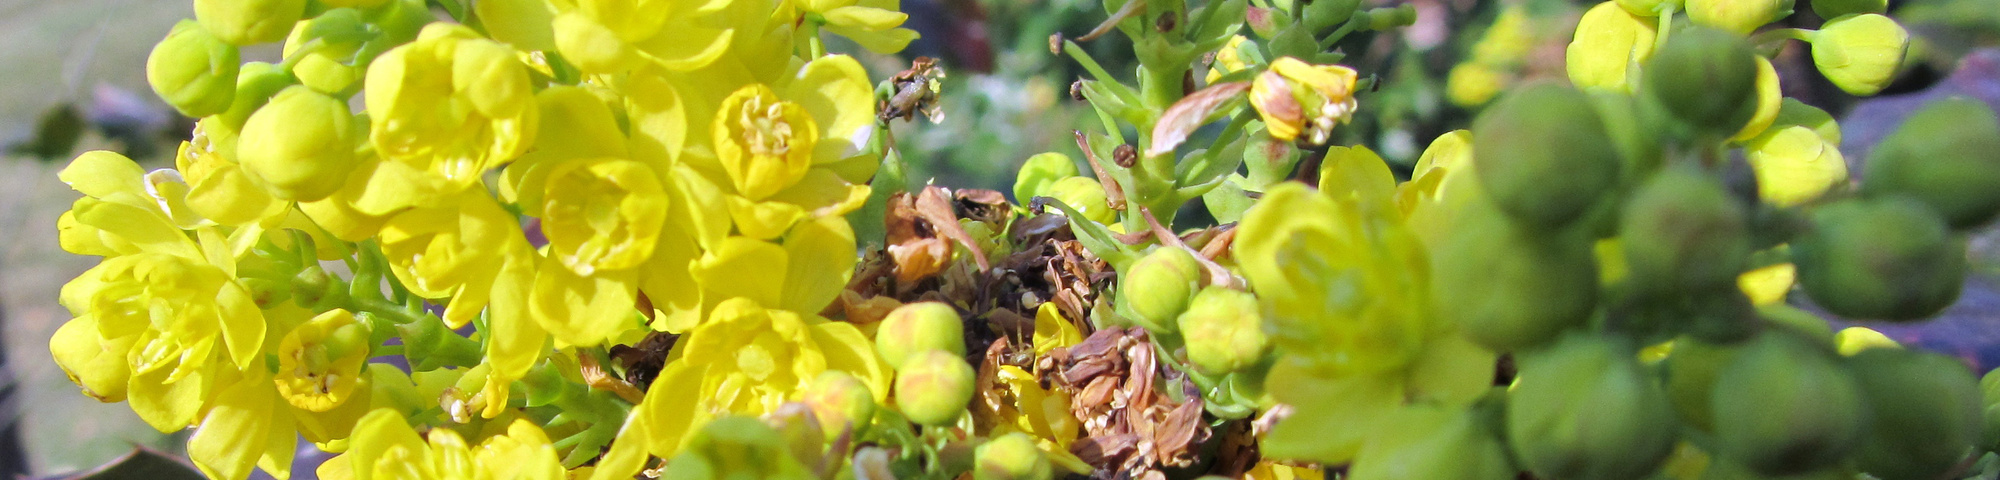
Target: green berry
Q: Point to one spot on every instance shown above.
(1085, 195)
(1784, 406)
(1544, 155)
(1682, 233)
(934, 387)
(1706, 78)
(1509, 289)
(1585, 409)
(917, 327)
(1013, 456)
(1926, 412)
(1886, 258)
(1691, 371)
(1156, 289)
(1225, 332)
(1946, 155)
(841, 402)
(1039, 172)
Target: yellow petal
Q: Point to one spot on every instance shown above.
(100, 173)
(168, 407)
(236, 431)
(93, 362)
(742, 267)
(834, 89)
(866, 18)
(580, 310)
(763, 220)
(822, 260)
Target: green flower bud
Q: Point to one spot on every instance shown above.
(1609, 40)
(249, 22)
(1796, 321)
(916, 327)
(1039, 172)
(1225, 330)
(1842, 8)
(934, 387)
(841, 402)
(1860, 53)
(300, 146)
(1508, 288)
(1544, 156)
(1707, 79)
(1325, 14)
(1692, 367)
(1926, 412)
(1157, 287)
(1683, 234)
(1585, 409)
(1737, 16)
(332, 66)
(1887, 259)
(1784, 406)
(1946, 155)
(1085, 195)
(1013, 456)
(193, 71)
(256, 83)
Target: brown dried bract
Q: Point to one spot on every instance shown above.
(1131, 427)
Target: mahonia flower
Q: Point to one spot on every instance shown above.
(384, 446)
(745, 360)
(1609, 41)
(443, 110)
(782, 153)
(611, 36)
(816, 259)
(320, 362)
(1296, 98)
(157, 302)
(871, 23)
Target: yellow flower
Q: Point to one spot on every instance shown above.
(611, 36)
(766, 144)
(1295, 98)
(795, 155)
(871, 23)
(747, 360)
(445, 109)
(384, 446)
(320, 362)
(1609, 41)
(251, 424)
(804, 273)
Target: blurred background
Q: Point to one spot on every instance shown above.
(74, 81)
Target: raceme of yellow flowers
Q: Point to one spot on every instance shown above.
(532, 168)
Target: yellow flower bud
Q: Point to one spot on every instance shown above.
(1769, 100)
(1860, 53)
(1157, 288)
(249, 22)
(1295, 98)
(193, 71)
(1085, 195)
(1609, 40)
(300, 146)
(1853, 340)
(914, 328)
(766, 143)
(1794, 165)
(1737, 16)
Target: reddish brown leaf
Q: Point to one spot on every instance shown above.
(1190, 113)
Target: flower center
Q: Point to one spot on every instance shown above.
(765, 130)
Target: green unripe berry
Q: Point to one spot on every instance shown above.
(1691, 371)
(1926, 412)
(1946, 155)
(934, 387)
(1706, 78)
(1989, 389)
(1039, 172)
(193, 71)
(1085, 195)
(1886, 258)
(1544, 156)
(840, 402)
(1737, 16)
(1156, 289)
(1682, 233)
(1436, 443)
(1225, 332)
(917, 327)
(1784, 406)
(249, 22)
(1584, 409)
(300, 146)
(1508, 288)
(1013, 456)
(1860, 53)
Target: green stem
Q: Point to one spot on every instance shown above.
(1338, 33)
(1089, 64)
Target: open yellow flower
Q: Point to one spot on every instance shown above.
(443, 110)
(798, 154)
(385, 446)
(612, 36)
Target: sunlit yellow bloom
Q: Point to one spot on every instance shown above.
(791, 152)
(610, 36)
(1296, 98)
(446, 108)
(385, 447)
(251, 424)
(748, 360)
(815, 259)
